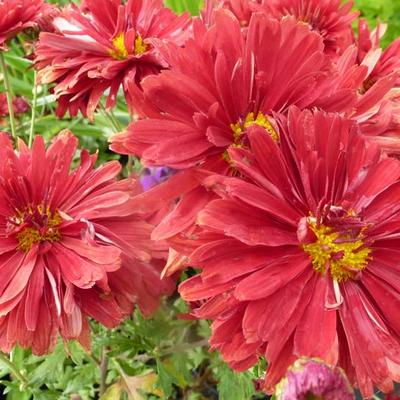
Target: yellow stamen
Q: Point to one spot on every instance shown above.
(120, 52)
(44, 230)
(240, 127)
(343, 256)
(30, 236)
(261, 120)
(140, 45)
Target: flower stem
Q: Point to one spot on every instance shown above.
(129, 165)
(108, 117)
(103, 371)
(183, 347)
(33, 117)
(9, 95)
(14, 370)
(116, 122)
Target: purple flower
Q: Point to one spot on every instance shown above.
(153, 176)
(311, 379)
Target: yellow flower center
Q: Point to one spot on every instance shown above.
(140, 45)
(35, 225)
(343, 255)
(239, 129)
(261, 120)
(120, 52)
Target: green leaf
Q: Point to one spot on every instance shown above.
(51, 368)
(179, 6)
(165, 380)
(375, 11)
(113, 392)
(234, 386)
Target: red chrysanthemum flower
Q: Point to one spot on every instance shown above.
(20, 105)
(242, 9)
(299, 255)
(204, 109)
(45, 22)
(378, 107)
(102, 46)
(380, 62)
(197, 111)
(17, 15)
(332, 19)
(71, 246)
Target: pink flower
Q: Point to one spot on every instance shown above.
(332, 19)
(329, 18)
(45, 22)
(308, 378)
(17, 15)
(242, 9)
(380, 62)
(72, 247)
(103, 45)
(20, 105)
(299, 252)
(377, 109)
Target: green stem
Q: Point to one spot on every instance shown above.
(129, 165)
(103, 371)
(33, 118)
(14, 370)
(108, 117)
(179, 348)
(9, 95)
(116, 122)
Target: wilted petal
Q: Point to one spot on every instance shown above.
(310, 377)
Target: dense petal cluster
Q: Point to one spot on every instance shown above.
(292, 219)
(17, 15)
(204, 108)
(380, 62)
(299, 252)
(103, 45)
(266, 129)
(332, 19)
(207, 108)
(312, 379)
(242, 9)
(377, 109)
(71, 246)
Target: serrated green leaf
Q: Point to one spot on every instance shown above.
(234, 386)
(50, 369)
(165, 381)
